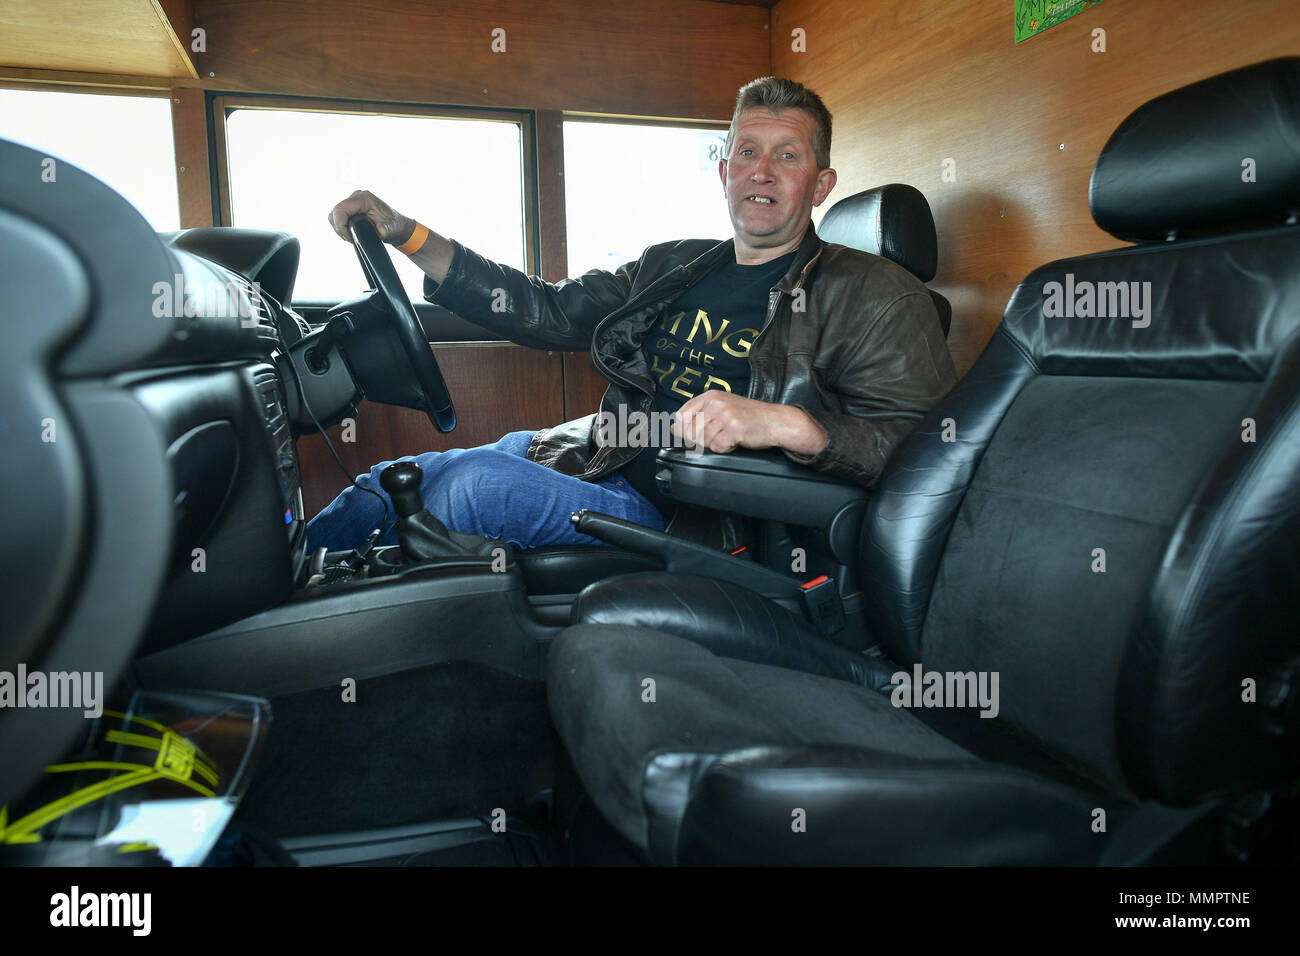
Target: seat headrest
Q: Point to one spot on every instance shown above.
(893, 221)
(1217, 156)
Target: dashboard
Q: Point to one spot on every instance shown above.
(149, 438)
(239, 524)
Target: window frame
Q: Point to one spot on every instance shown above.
(117, 89)
(623, 119)
(221, 105)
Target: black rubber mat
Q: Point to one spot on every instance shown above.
(451, 740)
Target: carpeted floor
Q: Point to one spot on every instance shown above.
(451, 740)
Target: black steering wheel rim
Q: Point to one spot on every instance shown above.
(378, 267)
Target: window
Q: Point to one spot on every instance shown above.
(628, 186)
(463, 178)
(126, 141)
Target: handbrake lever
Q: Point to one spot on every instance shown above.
(823, 607)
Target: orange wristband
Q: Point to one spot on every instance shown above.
(417, 240)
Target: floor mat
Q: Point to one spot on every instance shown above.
(451, 740)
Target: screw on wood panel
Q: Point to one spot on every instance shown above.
(1062, 146)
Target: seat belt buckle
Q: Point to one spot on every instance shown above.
(821, 602)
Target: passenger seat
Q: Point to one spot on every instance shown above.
(1114, 537)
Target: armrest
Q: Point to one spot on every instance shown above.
(766, 485)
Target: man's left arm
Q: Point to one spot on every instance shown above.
(884, 381)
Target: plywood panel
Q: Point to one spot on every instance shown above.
(129, 37)
(552, 227)
(583, 385)
(190, 134)
(177, 18)
(496, 389)
(672, 58)
(912, 84)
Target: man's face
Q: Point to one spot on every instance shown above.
(772, 180)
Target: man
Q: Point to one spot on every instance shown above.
(772, 339)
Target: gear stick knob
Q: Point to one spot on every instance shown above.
(402, 480)
(423, 537)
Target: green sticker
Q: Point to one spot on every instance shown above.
(1035, 16)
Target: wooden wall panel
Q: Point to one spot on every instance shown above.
(190, 135)
(671, 58)
(496, 388)
(583, 385)
(553, 226)
(910, 84)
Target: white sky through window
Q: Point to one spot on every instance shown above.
(460, 177)
(125, 141)
(628, 186)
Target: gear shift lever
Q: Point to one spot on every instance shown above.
(402, 480)
(422, 536)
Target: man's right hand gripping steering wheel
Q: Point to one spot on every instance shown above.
(428, 250)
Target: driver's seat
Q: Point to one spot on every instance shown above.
(893, 221)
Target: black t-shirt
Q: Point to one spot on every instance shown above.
(701, 341)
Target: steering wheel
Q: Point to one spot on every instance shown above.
(379, 270)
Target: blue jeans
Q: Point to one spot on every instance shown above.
(492, 490)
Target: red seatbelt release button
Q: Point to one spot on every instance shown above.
(821, 602)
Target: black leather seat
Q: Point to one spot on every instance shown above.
(1114, 535)
(893, 221)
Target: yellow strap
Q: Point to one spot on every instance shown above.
(417, 240)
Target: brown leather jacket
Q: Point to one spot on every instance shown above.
(865, 357)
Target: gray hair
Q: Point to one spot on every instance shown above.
(775, 93)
